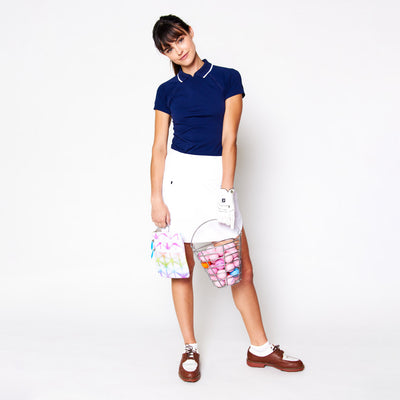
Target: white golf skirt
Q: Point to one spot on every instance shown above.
(190, 191)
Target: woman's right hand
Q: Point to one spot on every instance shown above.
(160, 214)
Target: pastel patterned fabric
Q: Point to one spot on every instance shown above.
(168, 252)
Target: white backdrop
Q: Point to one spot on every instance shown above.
(84, 315)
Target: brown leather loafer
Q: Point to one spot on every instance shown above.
(192, 372)
(276, 359)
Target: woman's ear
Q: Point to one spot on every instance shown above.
(191, 33)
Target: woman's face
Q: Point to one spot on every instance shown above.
(183, 50)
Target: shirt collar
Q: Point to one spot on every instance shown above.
(202, 72)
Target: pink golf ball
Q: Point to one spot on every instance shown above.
(219, 283)
(221, 274)
(212, 257)
(219, 250)
(232, 280)
(230, 267)
(228, 258)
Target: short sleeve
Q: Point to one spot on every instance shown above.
(234, 84)
(161, 102)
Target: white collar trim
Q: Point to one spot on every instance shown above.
(208, 71)
(180, 80)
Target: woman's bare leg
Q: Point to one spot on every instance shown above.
(245, 298)
(182, 294)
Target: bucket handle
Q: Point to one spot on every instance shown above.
(194, 233)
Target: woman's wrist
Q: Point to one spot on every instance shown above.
(227, 184)
(156, 199)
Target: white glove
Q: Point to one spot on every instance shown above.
(226, 207)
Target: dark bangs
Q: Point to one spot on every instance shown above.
(165, 32)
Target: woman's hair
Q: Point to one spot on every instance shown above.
(166, 30)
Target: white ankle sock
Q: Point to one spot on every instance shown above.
(263, 350)
(194, 346)
(268, 348)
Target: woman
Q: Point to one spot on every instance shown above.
(194, 182)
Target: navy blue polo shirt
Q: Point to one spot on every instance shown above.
(197, 106)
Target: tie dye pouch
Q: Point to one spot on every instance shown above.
(168, 254)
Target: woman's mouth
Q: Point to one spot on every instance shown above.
(183, 57)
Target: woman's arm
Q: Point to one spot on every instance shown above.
(233, 112)
(159, 211)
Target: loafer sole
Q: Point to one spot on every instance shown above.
(186, 379)
(263, 364)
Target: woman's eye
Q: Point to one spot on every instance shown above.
(181, 39)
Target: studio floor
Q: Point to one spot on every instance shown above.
(108, 360)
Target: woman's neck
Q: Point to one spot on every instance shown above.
(194, 66)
